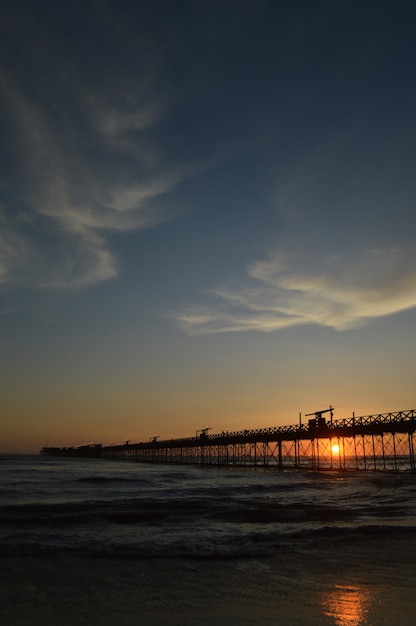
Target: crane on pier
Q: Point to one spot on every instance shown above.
(203, 431)
(319, 421)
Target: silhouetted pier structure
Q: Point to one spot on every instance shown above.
(381, 442)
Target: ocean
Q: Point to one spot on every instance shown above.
(93, 541)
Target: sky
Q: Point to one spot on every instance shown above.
(207, 215)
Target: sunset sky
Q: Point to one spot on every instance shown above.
(208, 215)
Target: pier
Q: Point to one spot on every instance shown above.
(374, 442)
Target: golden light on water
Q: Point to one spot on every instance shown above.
(347, 605)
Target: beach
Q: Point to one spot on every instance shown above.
(370, 581)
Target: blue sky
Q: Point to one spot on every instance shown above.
(207, 214)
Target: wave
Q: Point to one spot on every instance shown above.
(254, 544)
(198, 510)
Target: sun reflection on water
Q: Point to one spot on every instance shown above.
(347, 605)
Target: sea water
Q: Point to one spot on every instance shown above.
(249, 518)
(107, 507)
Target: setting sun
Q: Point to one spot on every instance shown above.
(335, 449)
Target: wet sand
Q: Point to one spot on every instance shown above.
(370, 581)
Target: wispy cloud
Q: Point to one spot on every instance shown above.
(80, 177)
(342, 293)
(15, 251)
(121, 112)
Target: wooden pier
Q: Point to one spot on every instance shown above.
(374, 442)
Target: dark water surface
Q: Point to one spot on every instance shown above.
(122, 508)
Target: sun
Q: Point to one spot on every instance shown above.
(335, 449)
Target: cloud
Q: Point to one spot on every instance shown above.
(115, 115)
(283, 291)
(68, 189)
(14, 250)
(344, 254)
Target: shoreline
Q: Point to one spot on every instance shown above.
(366, 581)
